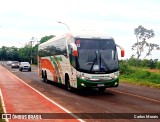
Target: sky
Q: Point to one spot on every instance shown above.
(20, 20)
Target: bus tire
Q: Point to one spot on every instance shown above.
(45, 77)
(102, 89)
(67, 83)
(42, 74)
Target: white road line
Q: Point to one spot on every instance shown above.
(3, 105)
(52, 101)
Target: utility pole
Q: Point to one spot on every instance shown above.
(35, 39)
(31, 51)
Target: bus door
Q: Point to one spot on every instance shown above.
(72, 58)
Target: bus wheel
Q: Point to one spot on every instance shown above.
(68, 87)
(45, 77)
(42, 74)
(102, 89)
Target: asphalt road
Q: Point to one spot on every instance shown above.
(129, 100)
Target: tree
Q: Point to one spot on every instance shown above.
(46, 38)
(142, 35)
(22, 54)
(35, 48)
(152, 63)
(158, 65)
(3, 53)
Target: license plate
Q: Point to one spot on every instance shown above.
(100, 84)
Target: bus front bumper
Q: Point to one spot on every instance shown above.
(97, 84)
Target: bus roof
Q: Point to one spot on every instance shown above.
(52, 39)
(91, 34)
(80, 34)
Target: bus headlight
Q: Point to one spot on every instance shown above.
(82, 84)
(116, 83)
(84, 78)
(116, 74)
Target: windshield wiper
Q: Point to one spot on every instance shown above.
(104, 63)
(106, 67)
(95, 59)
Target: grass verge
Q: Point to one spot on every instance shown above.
(139, 82)
(139, 76)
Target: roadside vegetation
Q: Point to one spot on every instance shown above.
(147, 73)
(22, 54)
(138, 69)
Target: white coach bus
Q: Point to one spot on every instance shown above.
(82, 60)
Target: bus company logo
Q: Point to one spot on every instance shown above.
(98, 77)
(6, 116)
(21, 116)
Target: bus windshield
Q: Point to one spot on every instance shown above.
(97, 55)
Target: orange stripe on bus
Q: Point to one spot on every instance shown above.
(45, 63)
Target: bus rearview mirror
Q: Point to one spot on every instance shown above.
(74, 49)
(75, 53)
(122, 50)
(122, 53)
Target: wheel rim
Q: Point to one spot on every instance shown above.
(45, 77)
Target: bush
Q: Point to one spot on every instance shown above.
(140, 74)
(155, 78)
(158, 65)
(125, 69)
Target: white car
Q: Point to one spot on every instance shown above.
(9, 63)
(25, 66)
(15, 64)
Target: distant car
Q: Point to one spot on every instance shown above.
(25, 66)
(9, 63)
(15, 64)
